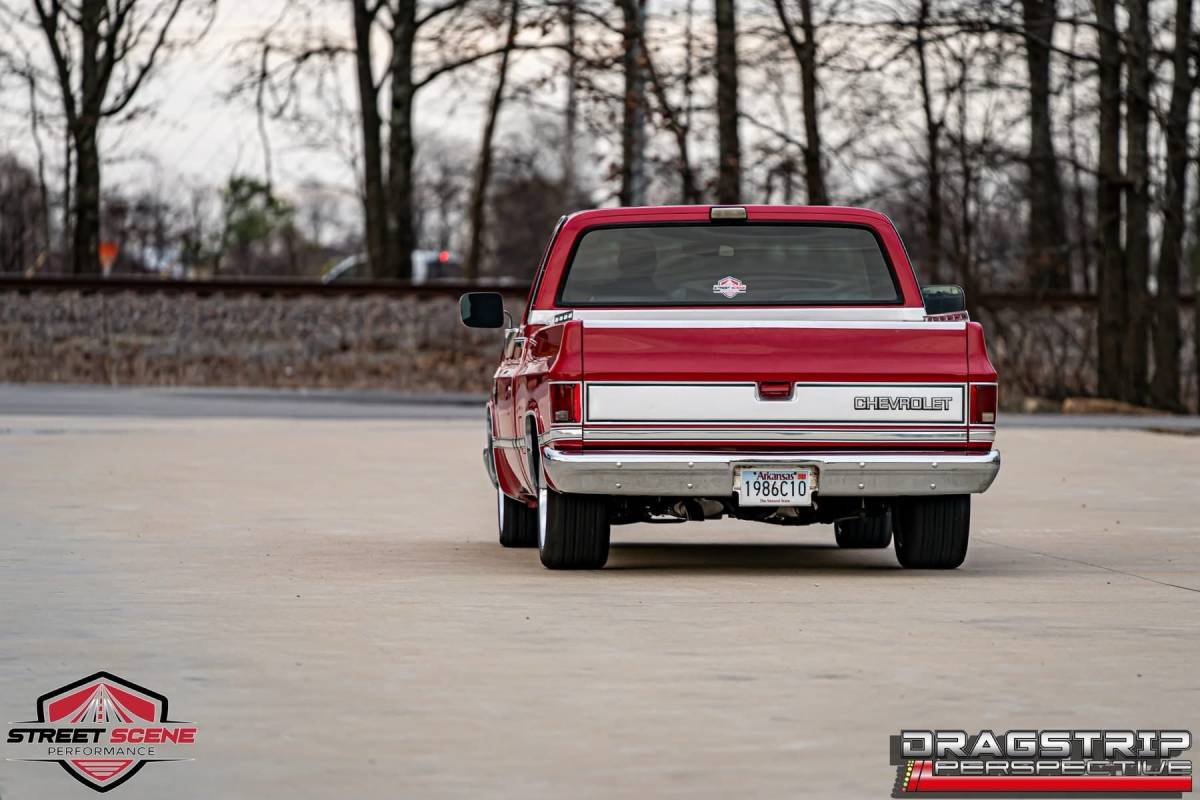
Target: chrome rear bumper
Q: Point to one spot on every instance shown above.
(673, 474)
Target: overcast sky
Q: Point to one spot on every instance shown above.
(197, 134)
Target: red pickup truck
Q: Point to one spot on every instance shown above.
(771, 363)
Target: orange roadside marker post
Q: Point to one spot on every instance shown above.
(108, 254)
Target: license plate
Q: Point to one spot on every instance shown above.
(790, 486)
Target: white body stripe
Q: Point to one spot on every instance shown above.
(798, 435)
(859, 403)
(725, 315)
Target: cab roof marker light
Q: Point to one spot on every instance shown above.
(727, 213)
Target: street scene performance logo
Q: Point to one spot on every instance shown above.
(729, 286)
(101, 729)
(1079, 763)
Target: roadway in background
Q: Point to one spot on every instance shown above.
(155, 402)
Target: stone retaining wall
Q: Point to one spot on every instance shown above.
(369, 342)
(398, 344)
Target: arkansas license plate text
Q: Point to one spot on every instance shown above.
(776, 487)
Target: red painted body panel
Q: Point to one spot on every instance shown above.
(979, 366)
(774, 354)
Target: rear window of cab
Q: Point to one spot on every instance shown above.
(705, 264)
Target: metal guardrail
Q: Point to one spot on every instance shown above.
(291, 287)
(264, 287)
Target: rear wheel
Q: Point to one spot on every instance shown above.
(518, 522)
(932, 532)
(573, 530)
(864, 532)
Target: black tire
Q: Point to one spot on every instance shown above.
(932, 532)
(573, 530)
(864, 532)
(518, 522)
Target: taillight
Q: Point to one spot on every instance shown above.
(566, 403)
(983, 404)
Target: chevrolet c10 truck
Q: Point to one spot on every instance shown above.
(772, 363)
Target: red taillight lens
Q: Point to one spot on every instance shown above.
(983, 404)
(566, 402)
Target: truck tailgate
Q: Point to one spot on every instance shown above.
(798, 385)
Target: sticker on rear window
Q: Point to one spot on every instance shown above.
(729, 286)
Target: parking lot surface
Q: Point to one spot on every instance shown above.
(326, 600)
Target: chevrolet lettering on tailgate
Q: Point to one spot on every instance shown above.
(902, 403)
(772, 363)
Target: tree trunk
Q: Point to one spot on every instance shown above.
(1083, 244)
(806, 57)
(1110, 274)
(729, 171)
(633, 119)
(374, 199)
(964, 264)
(401, 148)
(691, 192)
(68, 202)
(1137, 213)
(483, 170)
(85, 242)
(933, 154)
(571, 113)
(688, 191)
(43, 187)
(1165, 388)
(814, 170)
(1196, 299)
(1049, 248)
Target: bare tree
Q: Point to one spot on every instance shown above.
(1049, 265)
(677, 120)
(1082, 245)
(934, 122)
(103, 52)
(405, 24)
(21, 217)
(1165, 387)
(375, 218)
(571, 106)
(20, 64)
(1195, 262)
(483, 168)
(633, 117)
(1137, 212)
(805, 51)
(388, 161)
(729, 150)
(1111, 317)
(964, 207)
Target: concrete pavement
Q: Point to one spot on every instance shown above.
(325, 599)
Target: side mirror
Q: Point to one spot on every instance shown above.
(948, 299)
(482, 309)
